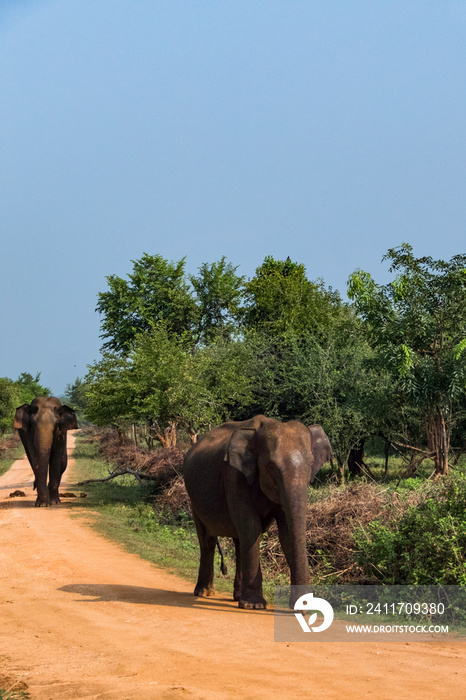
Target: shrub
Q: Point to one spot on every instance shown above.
(427, 545)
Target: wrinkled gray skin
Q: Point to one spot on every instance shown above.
(42, 427)
(240, 477)
(321, 449)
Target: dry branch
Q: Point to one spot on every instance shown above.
(138, 475)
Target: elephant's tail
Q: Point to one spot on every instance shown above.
(223, 567)
(35, 486)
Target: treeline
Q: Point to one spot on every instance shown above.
(14, 393)
(185, 352)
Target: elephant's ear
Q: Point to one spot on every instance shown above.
(320, 446)
(240, 455)
(66, 418)
(22, 417)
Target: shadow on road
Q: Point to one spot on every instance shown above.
(137, 595)
(28, 501)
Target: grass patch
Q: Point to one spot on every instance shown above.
(10, 450)
(12, 689)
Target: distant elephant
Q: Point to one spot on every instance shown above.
(321, 449)
(240, 477)
(42, 427)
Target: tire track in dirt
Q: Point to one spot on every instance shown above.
(82, 618)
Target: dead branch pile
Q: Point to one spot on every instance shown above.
(163, 466)
(173, 499)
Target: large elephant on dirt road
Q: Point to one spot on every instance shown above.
(42, 427)
(240, 477)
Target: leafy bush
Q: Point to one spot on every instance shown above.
(427, 545)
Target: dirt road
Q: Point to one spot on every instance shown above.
(81, 618)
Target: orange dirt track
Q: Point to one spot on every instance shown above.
(81, 618)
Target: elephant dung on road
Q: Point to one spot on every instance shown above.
(240, 477)
(42, 427)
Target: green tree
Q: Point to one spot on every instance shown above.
(225, 370)
(282, 302)
(323, 378)
(10, 399)
(75, 394)
(30, 387)
(76, 397)
(417, 324)
(156, 290)
(163, 386)
(219, 295)
(109, 392)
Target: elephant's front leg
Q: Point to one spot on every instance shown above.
(207, 544)
(250, 596)
(43, 495)
(57, 457)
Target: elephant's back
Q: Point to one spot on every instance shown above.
(203, 476)
(203, 460)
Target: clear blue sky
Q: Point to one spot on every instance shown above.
(327, 131)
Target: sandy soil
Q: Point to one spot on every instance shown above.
(81, 618)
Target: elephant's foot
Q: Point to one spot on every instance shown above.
(53, 494)
(253, 603)
(203, 591)
(40, 502)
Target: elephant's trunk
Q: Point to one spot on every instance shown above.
(43, 445)
(295, 507)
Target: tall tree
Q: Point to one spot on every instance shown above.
(282, 302)
(109, 392)
(156, 290)
(76, 394)
(9, 401)
(219, 294)
(30, 387)
(323, 378)
(417, 323)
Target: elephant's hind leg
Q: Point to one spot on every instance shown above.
(207, 544)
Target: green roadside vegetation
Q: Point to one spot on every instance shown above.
(11, 451)
(11, 688)
(13, 694)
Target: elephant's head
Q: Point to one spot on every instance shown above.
(45, 416)
(321, 449)
(276, 454)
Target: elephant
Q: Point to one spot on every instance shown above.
(321, 449)
(42, 427)
(240, 477)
